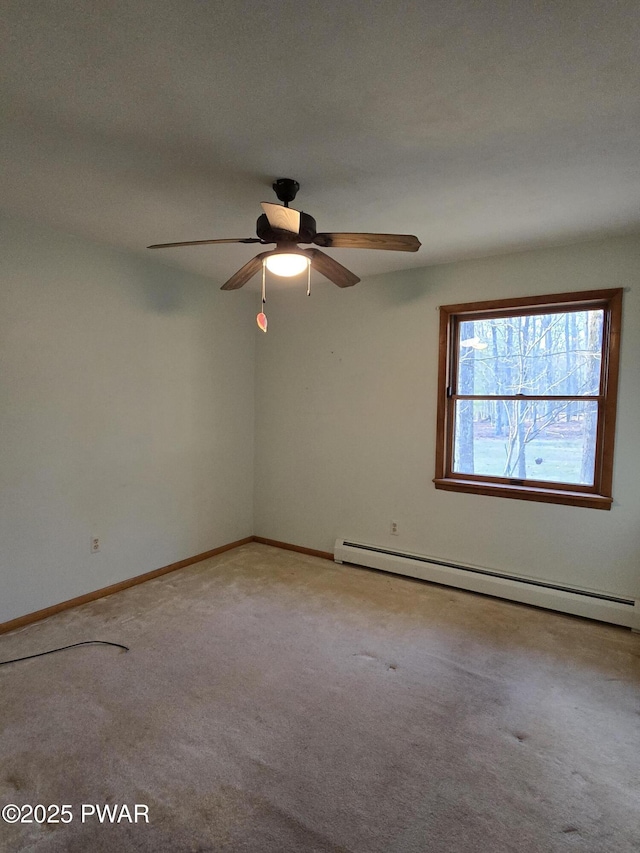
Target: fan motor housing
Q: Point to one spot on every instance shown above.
(272, 235)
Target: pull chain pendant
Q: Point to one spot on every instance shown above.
(261, 319)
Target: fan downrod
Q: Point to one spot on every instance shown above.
(286, 189)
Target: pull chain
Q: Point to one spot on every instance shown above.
(308, 279)
(261, 319)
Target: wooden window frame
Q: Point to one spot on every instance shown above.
(596, 496)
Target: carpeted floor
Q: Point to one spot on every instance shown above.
(278, 703)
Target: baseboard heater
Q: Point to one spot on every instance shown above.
(580, 602)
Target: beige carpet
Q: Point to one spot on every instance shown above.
(278, 702)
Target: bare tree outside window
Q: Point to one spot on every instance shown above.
(528, 396)
(542, 439)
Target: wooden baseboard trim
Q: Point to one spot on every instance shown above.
(326, 555)
(21, 621)
(38, 615)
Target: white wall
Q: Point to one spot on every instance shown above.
(126, 412)
(346, 415)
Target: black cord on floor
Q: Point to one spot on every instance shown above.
(62, 648)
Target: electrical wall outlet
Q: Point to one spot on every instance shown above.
(394, 528)
(95, 544)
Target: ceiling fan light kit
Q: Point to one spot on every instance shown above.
(287, 227)
(287, 264)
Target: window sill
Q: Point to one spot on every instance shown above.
(525, 493)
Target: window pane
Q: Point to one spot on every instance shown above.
(551, 440)
(551, 354)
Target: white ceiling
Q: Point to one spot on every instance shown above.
(481, 126)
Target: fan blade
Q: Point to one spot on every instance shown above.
(205, 242)
(330, 268)
(246, 272)
(282, 218)
(392, 242)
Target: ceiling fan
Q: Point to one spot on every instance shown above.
(286, 227)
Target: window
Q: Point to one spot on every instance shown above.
(527, 397)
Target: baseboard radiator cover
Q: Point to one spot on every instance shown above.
(579, 602)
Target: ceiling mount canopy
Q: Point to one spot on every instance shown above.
(286, 189)
(287, 227)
